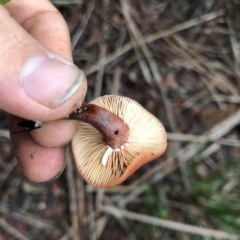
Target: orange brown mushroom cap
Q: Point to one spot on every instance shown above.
(104, 166)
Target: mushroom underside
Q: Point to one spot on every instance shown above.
(102, 166)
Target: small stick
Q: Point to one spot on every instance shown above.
(11, 230)
(168, 224)
(72, 195)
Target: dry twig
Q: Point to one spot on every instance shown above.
(156, 36)
(84, 21)
(72, 195)
(11, 230)
(99, 79)
(4, 133)
(181, 137)
(27, 218)
(181, 227)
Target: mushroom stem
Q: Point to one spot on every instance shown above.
(114, 130)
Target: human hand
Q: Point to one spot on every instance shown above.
(38, 82)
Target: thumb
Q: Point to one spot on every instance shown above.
(36, 83)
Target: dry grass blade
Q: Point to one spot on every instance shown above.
(150, 60)
(181, 227)
(122, 201)
(153, 37)
(91, 218)
(84, 21)
(4, 133)
(224, 98)
(195, 64)
(210, 150)
(68, 235)
(100, 225)
(8, 170)
(234, 42)
(181, 137)
(72, 194)
(27, 218)
(140, 39)
(204, 66)
(136, 37)
(99, 79)
(80, 189)
(11, 230)
(116, 81)
(99, 198)
(185, 25)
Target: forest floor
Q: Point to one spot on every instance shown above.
(181, 61)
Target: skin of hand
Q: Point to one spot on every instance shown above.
(38, 82)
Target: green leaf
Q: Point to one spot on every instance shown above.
(4, 1)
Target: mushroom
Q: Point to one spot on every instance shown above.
(114, 136)
(101, 161)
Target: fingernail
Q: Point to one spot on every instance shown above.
(49, 80)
